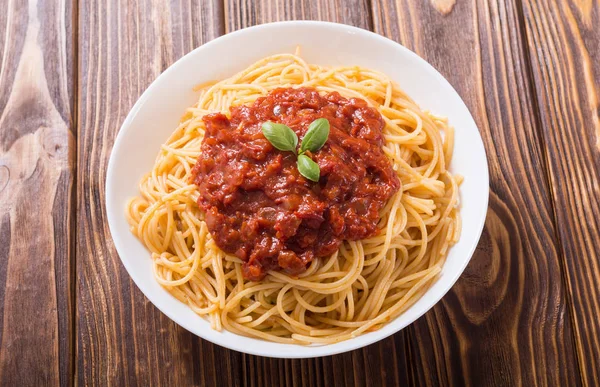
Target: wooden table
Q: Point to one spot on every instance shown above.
(526, 311)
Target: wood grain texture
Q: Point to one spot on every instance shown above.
(506, 321)
(246, 13)
(122, 339)
(564, 43)
(36, 181)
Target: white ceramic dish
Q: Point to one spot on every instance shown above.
(157, 113)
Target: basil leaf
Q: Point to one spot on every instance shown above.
(315, 137)
(280, 136)
(308, 168)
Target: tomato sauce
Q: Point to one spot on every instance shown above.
(261, 209)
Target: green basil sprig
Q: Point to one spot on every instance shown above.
(315, 137)
(285, 139)
(280, 136)
(308, 168)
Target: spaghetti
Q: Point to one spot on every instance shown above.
(358, 288)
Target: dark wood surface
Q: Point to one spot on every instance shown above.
(525, 312)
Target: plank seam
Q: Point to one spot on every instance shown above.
(222, 15)
(73, 221)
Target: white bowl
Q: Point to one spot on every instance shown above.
(156, 114)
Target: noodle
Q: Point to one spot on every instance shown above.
(357, 289)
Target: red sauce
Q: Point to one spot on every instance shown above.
(261, 209)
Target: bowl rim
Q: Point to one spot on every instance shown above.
(318, 350)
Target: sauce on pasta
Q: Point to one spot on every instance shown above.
(261, 209)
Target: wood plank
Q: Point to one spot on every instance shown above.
(246, 13)
(383, 363)
(564, 41)
(37, 142)
(506, 321)
(122, 339)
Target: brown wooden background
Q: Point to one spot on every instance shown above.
(525, 312)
